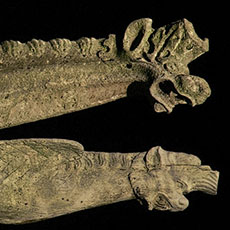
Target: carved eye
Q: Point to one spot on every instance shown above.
(189, 47)
(181, 185)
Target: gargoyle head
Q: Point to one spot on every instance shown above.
(161, 179)
(169, 48)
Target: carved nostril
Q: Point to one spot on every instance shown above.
(183, 203)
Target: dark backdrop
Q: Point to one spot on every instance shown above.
(131, 124)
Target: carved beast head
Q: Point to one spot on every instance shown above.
(162, 178)
(170, 48)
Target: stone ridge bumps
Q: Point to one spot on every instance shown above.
(39, 79)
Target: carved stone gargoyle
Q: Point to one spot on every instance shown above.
(41, 79)
(45, 178)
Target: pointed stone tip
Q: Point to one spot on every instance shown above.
(209, 181)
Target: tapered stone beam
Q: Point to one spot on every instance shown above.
(39, 79)
(46, 178)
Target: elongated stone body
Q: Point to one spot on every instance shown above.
(45, 178)
(41, 79)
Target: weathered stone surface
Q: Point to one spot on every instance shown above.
(41, 79)
(45, 178)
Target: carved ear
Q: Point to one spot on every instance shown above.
(153, 158)
(158, 157)
(135, 41)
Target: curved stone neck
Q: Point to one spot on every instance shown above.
(111, 160)
(106, 180)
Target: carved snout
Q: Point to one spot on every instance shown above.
(205, 180)
(161, 178)
(163, 202)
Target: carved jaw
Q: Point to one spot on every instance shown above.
(182, 89)
(161, 178)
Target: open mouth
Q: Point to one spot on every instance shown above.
(170, 97)
(181, 89)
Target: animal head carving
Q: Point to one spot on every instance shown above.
(172, 48)
(161, 179)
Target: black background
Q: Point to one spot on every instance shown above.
(131, 124)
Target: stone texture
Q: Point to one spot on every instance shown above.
(41, 79)
(45, 178)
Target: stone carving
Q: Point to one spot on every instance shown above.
(45, 178)
(41, 79)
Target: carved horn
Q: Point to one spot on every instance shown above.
(135, 41)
